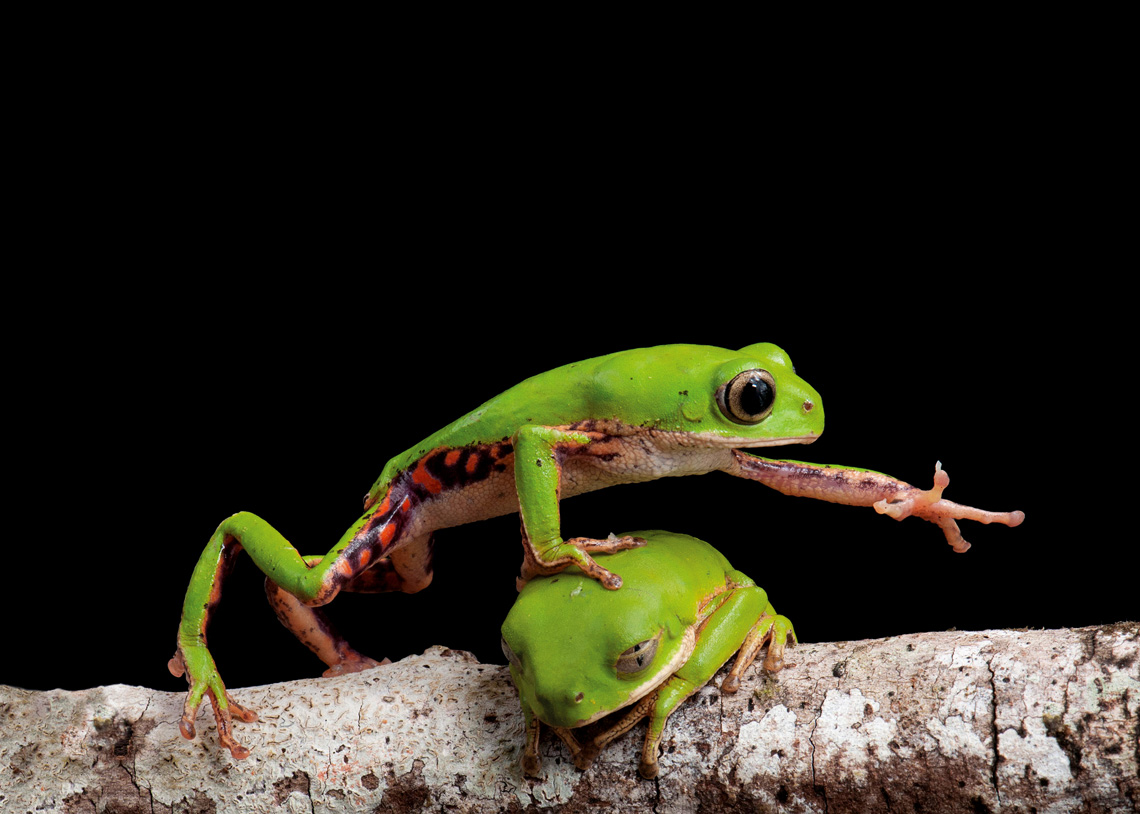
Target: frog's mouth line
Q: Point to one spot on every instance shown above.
(718, 440)
(748, 444)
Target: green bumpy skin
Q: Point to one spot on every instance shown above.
(578, 652)
(625, 417)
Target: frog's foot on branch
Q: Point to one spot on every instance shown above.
(771, 629)
(582, 754)
(353, 664)
(224, 706)
(929, 505)
(575, 551)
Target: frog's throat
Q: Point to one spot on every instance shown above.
(688, 645)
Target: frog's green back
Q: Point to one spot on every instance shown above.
(663, 581)
(669, 387)
(673, 572)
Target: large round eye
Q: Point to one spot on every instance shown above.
(749, 397)
(512, 659)
(637, 658)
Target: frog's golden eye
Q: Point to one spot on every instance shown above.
(638, 657)
(749, 397)
(512, 659)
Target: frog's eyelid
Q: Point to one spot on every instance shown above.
(512, 659)
(638, 657)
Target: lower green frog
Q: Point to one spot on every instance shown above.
(579, 653)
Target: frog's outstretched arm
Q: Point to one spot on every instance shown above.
(861, 487)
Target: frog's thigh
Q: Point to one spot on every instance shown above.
(408, 569)
(722, 636)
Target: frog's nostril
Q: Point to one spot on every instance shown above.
(578, 698)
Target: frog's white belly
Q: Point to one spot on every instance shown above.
(625, 460)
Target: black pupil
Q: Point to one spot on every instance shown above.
(755, 396)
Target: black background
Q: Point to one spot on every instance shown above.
(164, 427)
(257, 316)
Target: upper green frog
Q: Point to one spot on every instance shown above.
(578, 652)
(630, 416)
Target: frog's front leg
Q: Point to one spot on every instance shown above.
(583, 754)
(539, 456)
(862, 487)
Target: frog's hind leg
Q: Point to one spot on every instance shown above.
(408, 569)
(771, 629)
(314, 581)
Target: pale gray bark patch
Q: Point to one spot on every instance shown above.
(957, 721)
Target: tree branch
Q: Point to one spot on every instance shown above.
(989, 721)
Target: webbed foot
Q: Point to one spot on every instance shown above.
(929, 505)
(202, 675)
(772, 629)
(353, 664)
(576, 551)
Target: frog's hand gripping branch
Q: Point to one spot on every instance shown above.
(540, 454)
(861, 487)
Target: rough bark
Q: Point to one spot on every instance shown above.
(990, 721)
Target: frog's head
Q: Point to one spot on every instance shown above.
(578, 652)
(746, 398)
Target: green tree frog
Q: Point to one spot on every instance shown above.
(630, 416)
(578, 652)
